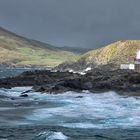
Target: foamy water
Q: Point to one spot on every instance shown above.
(106, 110)
(68, 116)
(81, 110)
(50, 135)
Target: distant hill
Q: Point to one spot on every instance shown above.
(78, 50)
(21, 51)
(116, 53)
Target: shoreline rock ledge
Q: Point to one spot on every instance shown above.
(96, 80)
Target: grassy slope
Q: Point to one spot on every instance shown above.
(118, 52)
(22, 51)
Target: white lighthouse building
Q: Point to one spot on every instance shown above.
(135, 66)
(138, 55)
(137, 62)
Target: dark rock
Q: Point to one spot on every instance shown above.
(59, 89)
(58, 82)
(79, 97)
(12, 98)
(87, 85)
(27, 91)
(24, 95)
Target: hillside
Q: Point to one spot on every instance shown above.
(21, 51)
(77, 50)
(115, 53)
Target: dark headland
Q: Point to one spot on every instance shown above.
(96, 80)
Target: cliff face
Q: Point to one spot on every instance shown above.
(18, 50)
(119, 52)
(115, 53)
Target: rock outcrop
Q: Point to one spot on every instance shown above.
(97, 80)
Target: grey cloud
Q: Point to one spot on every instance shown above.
(85, 23)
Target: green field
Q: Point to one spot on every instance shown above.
(22, 51)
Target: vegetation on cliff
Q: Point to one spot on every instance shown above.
(116, 53)
(17, 50)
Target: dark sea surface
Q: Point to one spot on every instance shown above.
(67, 116)
(7, 72)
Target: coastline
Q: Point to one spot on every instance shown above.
(96, 80)
(10, 66)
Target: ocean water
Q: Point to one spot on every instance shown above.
(6, 72)
(68, 116)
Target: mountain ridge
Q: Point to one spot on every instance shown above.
(77, 50)
(123, 51)
(21, 51)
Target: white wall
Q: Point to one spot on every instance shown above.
(138, 55)
(131, 66)
(127, 66)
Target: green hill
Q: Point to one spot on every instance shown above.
(20, 51)
(118, 52)
(115, 53)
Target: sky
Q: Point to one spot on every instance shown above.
(77, 23)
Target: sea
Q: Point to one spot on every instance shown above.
(67, 116)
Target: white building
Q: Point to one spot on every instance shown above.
(127, 67)
(138, 55)
(137, 62)
(135, 66)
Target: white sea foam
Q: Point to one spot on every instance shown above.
(84, 110)
(52, 136)
(14, 92)
(107, 110)
(81, 125)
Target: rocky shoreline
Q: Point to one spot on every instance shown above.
(15, 66)
(96, 80)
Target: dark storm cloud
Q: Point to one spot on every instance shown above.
(86, 23)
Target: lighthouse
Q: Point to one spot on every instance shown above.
(137, 62)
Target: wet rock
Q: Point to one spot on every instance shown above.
(87, 85)
(58, 82)
(79, 97)
(27, 91)
(12, 98)
(24, 95)
(59, 89)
